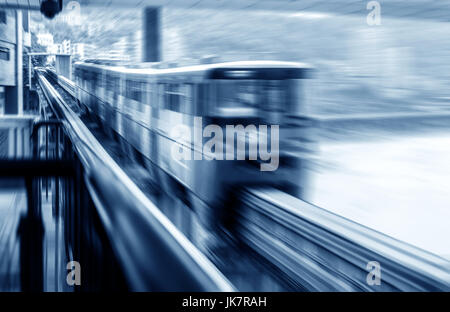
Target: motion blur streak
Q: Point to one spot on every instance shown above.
(360, 101)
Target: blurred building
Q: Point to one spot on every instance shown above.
(15, 39)
(89, 50)
(45, 39)
(127, 49)
(135, 47)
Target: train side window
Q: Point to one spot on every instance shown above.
(92, 81)
(146, 92)
(201, 103)
(96, 80)
(122, 86)
(152, 95)
(139, 91)
(115, 84)
(274, 96)
(133, 90)
(100, 82)
(186, 99)
(3, 18)
(128, 88)
(161, 96)
(173, 97)
(109, 83)
(4, 54)
(84, 78)
(112, 83)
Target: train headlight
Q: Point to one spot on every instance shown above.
(238, 74)
(236, 111)
(51, 7)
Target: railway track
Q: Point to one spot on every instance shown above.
(320, 251)
(134, 225)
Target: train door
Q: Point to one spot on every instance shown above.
(236, 99)
(273, 99)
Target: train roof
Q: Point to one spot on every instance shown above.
(225, 70)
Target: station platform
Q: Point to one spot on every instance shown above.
(12, 204)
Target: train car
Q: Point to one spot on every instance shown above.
(51, 72)
(67, 85)
(142, 107)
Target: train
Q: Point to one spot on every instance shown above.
(141, 107)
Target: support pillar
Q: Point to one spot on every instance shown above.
(152, 34)
(30, 72)
(19, 62)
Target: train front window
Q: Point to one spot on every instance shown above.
(236, 97)
(133, 90)
(240, 97)
(186, 99)
(274, 95)
(112, 83)
(237, 93)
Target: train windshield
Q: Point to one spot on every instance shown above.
(240, 97)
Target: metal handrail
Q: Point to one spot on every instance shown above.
(152, 252)
(335, 250)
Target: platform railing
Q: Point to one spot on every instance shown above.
(150, 251)
(323, 251)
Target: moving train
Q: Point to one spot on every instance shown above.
(141, 108)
